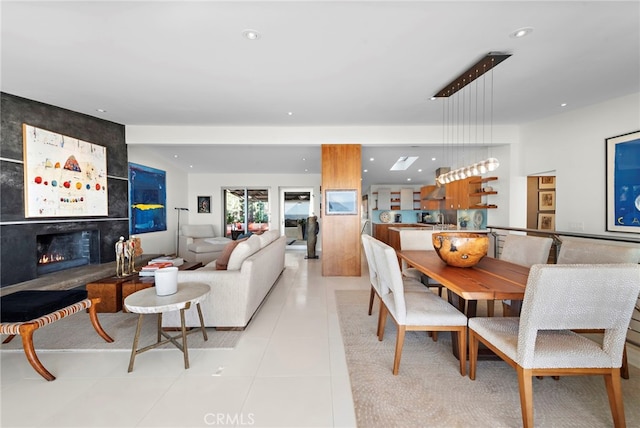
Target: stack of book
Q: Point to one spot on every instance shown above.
(151, 268)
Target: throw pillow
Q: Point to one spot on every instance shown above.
(223, 260)
(242, 251)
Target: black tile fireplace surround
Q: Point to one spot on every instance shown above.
(18, 262)
(19, 259)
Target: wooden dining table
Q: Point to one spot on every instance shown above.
(490, 279)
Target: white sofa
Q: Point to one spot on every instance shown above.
(198, 243)
(236, 293)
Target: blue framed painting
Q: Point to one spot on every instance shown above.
(623, 183)
(147, 199)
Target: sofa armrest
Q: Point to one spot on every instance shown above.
(183, 243)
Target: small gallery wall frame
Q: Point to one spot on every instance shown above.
(547, 200)
(341, 202)
(623, 183)
(204, 204)
(547, 182)
(546, 221)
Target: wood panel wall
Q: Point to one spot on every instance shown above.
(341, 170)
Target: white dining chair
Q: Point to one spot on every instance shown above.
(558, 299)
(412, 239)
(522, 250)
(594, 252)
(413, 311)
(409, 283)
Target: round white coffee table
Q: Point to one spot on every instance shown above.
(148, 302)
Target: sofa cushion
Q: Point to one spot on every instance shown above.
(242, 251)
(268, 237)
(223, 261)
(198, 230)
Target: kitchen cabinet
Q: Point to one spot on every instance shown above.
(458, 196)
(406, 199)
(384, 199)
(429, 204)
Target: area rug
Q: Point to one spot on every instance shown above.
(75, 333)
(429, 391)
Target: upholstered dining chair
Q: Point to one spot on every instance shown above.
(594, 252)
(412, 239)
(409, 283)
(558, 299)
(413, 311)
(522, 250)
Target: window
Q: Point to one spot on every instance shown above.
(245, 210)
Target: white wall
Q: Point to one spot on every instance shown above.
(573, 145)
(163, 242)
(212, 185)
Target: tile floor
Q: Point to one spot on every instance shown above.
(288, 370)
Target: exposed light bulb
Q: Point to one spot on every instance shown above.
(492, 164)
(474, 169)
(482, 167)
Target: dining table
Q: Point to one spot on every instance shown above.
(489, 279)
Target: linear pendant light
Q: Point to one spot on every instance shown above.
(487, 63)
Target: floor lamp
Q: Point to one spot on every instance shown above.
(178, 232)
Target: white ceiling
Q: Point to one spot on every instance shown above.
(341, 63)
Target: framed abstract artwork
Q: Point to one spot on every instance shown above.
(623, 183)
(204, 204)
(63, 176)
(147, 199)
(342, 202)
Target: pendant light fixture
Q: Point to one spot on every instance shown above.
(486, 64)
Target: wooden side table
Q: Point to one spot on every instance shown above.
(109, 291)
(148, 302)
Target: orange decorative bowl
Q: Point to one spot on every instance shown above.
(461, 249)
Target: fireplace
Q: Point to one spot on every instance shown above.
(59, 251)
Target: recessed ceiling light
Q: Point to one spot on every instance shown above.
(190, 166)
(251, 34)
(521, 32)
(420, 170)
(101, 110)
(563, 105)
(175, 156)
(408, 179)
(290, 113)
(433, 98)
(366, 170)
(433, 159)
(371, 159)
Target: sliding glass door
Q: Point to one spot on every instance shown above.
(245, 210)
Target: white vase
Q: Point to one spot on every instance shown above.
(166, 281)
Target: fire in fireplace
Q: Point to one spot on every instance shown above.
(59, 251)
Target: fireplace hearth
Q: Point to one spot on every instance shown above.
(66, 250)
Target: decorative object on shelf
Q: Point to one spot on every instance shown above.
(166, 281)
(460, 249)
(484, 65)
(343, 202)
(204, 204)
(623, 183)
(463, 221)
(133, 250)
(120, 257)
(385, 217)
